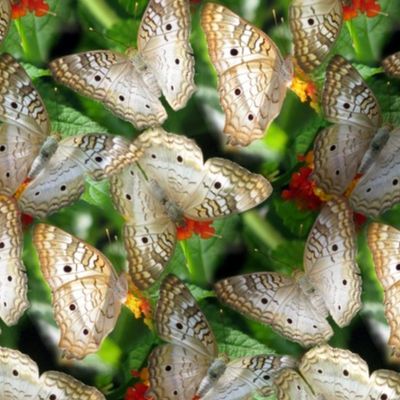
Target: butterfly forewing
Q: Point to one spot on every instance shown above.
(19, 377)
(163, 42)
(315, 26)
(338, 151)
(384, 384)
(291, 386)
(391, 65)
(379, 188)
(5, 18)
(335, 374)
(253, 76)
(20, 103)
(277, 300)
(62, 180)
(330, 261)
(87, 293)
(175, 372)
(346, 98)
(113, 79)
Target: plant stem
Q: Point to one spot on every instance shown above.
(196, 270)
(361, 47)
(100, 10)
(30, 45)
(263, 229)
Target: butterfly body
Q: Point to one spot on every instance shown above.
(214, 372)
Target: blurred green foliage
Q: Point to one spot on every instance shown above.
(271, 238)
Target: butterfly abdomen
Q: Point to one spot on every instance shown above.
(214, 372)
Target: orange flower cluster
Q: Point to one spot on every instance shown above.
(21, 7)
(305, 89)
(369, 7)
(139, 305)
(139, 389)
(201, 228)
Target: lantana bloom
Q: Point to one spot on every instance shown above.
(139, 305)
(305, 89)
(19, 8)
(139, 389)
(190, 227)
(371, 8)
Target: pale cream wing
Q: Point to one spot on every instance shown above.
(19, 375)
(384, 384)
(330, 261)
(291, 386)
(60, 386)
(163, 42)
(315, 26)
(20, 103)
(253, 76)
(391, 65)
(336, 374)
(175, 372)
(62, 180)
(391, 303)
(13, 279)
(5, 18)
(247, 375)
(18, 149)
(379, 188)
(149, 233)
(276, 300)
(226, 188)
(346, 98)
(113, 79)
(86, 292)
(180, 321)
(338, 151)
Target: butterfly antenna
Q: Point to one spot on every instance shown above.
(274, 15)
(108, 236)
(104, 35)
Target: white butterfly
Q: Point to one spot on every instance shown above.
(384, 243)
(315, 26)
(253, 76)
(189, 364)
(130, 84)
(391, 65)
(13, 280)
(297, 306)
(19, 377)
(336, 374)
(171, 182)
(86, 291)
(357, 143)
(5, 18)
(51, 174)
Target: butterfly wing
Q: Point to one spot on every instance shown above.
(87, 293)
(346, 98)
(330, 261)
(315, 26)
(20, 103)
(13, 280)
(379, 188)
(19, 375)
(338, 151)
(163, 42)
(247, 375)
(180, 321)
(175, 372)
(56, 385)
(384, 243)
(253, 76)
(384, 384)
(149, 233)
(391, 65)
(276, 300)
(62, 180)
(291, 386)
(112, 79)
(5, 18)
(336, 374)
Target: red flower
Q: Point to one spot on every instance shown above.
(21, 7)
(369, 7)
(201, 228)
(302, 190)
(137, 392)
